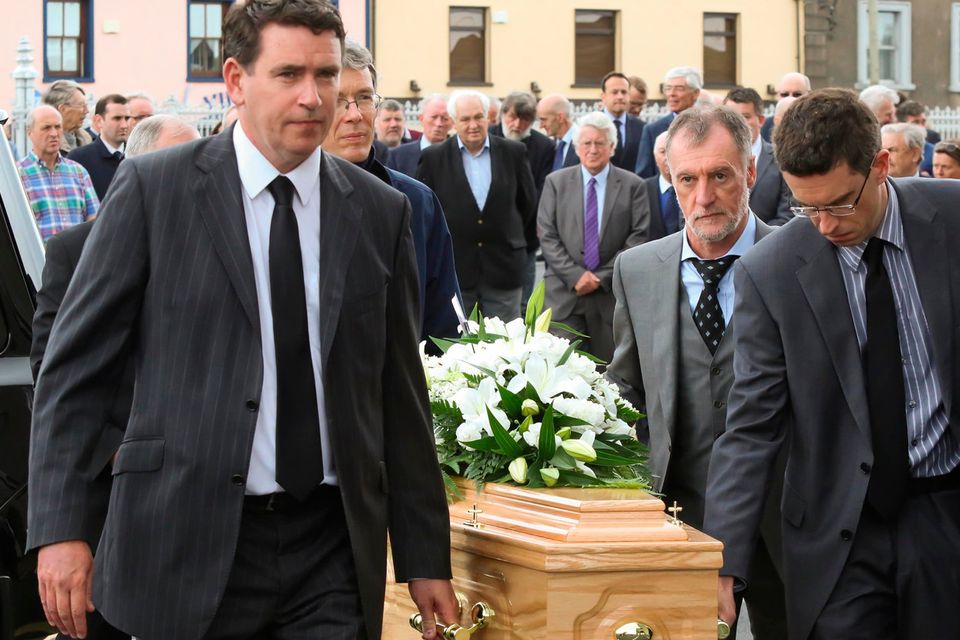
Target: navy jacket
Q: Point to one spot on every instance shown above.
(646, 165)
(627, 158)
(405, 158)
(99, 163)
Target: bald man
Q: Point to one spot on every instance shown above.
(791, 86)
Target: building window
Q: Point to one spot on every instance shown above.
(955, 46)
(67, 39)
(720, 49)
(205, 46)
(596, 46)
(893, 41)
(468, 45)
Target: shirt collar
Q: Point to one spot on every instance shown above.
(424, 143)
(622, 118)
(486, 145)
(748, 238)
(664, 184)
(256, 172)
(757, 147)
(568, 136)
(890, 230)
(108, 146)
(33, 156)
(601, 177)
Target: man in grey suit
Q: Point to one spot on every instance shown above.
(846, 351)
(589, 214)
(674, 352)
(267, 296)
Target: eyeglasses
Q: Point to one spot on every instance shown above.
(787, 94)
(366, 103)
(838, 211)
(675, 88)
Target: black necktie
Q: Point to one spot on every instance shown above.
(118, 155)
(883, 366)
(707, 315)
(619, 126)
(299, 460)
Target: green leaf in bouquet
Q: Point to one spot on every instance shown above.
(506, 444)
(627, 413)
(487, 373)
(510, 401)
(525, 425)
(568, 329)
(563, 460)
(592, 358)
(534, 306)
(530, 393)
(568, 421)
(610, 459)
(569, 352)
(475, 313)
(548, 442)
(442, 343)
(576, 479)
(488, 443)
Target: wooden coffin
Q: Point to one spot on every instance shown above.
(574, 564)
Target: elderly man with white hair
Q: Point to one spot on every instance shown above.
(681, 86)
(905, 143)
(158, 132)
(882, 101)
(492, 222)
(577, 204)
(791, 86)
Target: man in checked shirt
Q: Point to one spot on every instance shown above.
(59, 190)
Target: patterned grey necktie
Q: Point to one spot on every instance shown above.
(708, 315)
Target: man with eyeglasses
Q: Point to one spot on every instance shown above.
(681, 86)
(68, 97)
(351, 138)
(492, 222)
(847, 357)
(141, 108)
(792, 85)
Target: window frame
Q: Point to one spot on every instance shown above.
(86, 40)
(615, 35)
(904, 53)
(484, 81)
(192, 76)
(707, 82)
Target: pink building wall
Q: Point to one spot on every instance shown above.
(148, 54)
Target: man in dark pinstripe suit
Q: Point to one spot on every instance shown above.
(267, 296)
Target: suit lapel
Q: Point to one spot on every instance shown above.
(614, 183)
(339, 226)
(666, 331)
(764, 161)
(455, 162)
(575, 203)
(822, 285)
(497, 168)
(221, 208)
(928, 253)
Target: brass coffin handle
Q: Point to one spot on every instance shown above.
(634, 631)
(481, 614)
(723, 630)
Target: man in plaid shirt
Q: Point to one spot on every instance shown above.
(59, 190)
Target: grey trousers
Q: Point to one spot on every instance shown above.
(500, 303)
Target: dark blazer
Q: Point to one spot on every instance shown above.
(770, 195)
(435, 266)
(627, 158)
(167, 280)
(657, 230)
(766, 131)
(381, 151)
(799, 381)
(646, 164)
(62, 255)
(570, 156)
(540, 150)
(490, 246)
(99, 163)
(405, 158)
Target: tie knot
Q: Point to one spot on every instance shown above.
(711, 271)
(873, 254)
(592, 182)
(118, 155)
(282, 191)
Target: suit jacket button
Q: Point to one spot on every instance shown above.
(846, 535)
(480, 221)
(238, 480)
(719, 404)
(480, 244)
(252, 405)
(715, 371)
(865, 467)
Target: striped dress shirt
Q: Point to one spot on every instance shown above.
(60, 198)
(931, 447)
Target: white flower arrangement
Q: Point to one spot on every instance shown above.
(512, 402)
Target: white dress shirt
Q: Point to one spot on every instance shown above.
(692, 281)
(256, 174)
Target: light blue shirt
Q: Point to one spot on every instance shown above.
(692, 281)
(601, 191)
(622, 119)
(424, 143)
(477, 168)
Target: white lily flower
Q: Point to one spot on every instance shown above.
(590, 412)
(584, 469)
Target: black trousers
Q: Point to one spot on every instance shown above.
(293, 576)
(99, 629)
(902, 578)
(765, 597)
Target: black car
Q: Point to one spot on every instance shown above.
(21, 264)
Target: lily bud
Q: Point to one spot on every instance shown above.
(518, 470)
(564, 433)
(579, 450)
(542, 325)
(529, 408)
(550, 476)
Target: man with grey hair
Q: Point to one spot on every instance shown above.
(69, 98)
(494, 230)
(578, 202)
(436, 124)
(665, 217)
(555, 113)
(391, 124)
(791, 86)
(517, 113)
(674, 310)
(905, 143)
(681, 86)
(882, 101)
(158, 132)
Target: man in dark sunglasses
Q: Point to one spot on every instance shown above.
(792, 85)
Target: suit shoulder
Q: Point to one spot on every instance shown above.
(627, 176)
(84, 153)
(406, 149)
(640, 256)
(437, 151)
(777, 249)
(514, 146)
(408, 185)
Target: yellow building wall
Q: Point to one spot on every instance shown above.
(536, 44)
